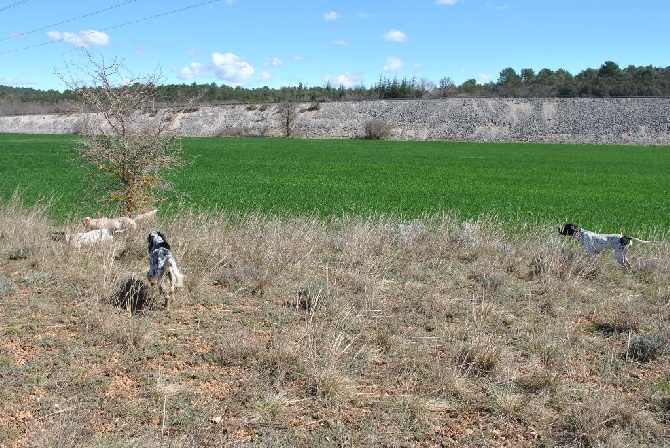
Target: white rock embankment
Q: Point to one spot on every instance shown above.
(626, 121)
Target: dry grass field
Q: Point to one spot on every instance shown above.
(356, 332)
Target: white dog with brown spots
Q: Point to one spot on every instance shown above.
(594, 243)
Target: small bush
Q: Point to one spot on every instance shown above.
(478, 358)
(648, 347)
(312, 107)
(23, 252)
(376, 129)
(78, 127)
(7, 287)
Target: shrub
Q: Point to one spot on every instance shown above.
(312, 107)
(376, 129)
(648, 347)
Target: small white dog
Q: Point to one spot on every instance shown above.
(163, 266)
(85, 238)
(113, 224)
(593, 243)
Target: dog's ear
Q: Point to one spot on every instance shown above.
(58, 236)
(163, 242)
(569, 229)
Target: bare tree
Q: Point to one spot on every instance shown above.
(446, 86)
(132, 145)
(288, 117)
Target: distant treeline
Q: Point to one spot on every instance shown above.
(609, 80)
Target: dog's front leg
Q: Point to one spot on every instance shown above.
(623, 260)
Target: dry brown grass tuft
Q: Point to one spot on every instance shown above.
(349, 332)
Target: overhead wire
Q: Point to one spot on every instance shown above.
(110, 27)
(67, 21)
(13, 5)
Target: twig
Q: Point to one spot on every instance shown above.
(163, 426)
(60, 411)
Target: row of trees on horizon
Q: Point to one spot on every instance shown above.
(610, 80)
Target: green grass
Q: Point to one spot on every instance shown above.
(600, 187)
(38, 167)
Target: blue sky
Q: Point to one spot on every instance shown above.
(255, 43)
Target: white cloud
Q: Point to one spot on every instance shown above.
(227, 67)
(344, 80)
(393, 64)
(497, 5)
(230, 68)
(332, 15)
(395, 36)
(446, 2)
(16, 82)
(340, 42)
(483, 78)
(299, 57)
(265, 76)
(274, 62)
(193, 70)
(84, 39)
(192, 51)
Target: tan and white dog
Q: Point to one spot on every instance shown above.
(148, 216)
(114, 225)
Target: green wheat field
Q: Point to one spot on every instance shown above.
(607, 188)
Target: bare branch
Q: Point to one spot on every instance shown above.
(122, 135)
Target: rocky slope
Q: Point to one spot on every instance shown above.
(634, 121)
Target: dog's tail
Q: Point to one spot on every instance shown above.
(177, 276)
(641, 241)
(146, 216)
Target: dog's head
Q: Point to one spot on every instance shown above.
(625, 240)
(86, 221)
(157, 240)
(58, 236)
(569, 229)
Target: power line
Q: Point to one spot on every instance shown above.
(109, 28)
(13, 5)
(69, 20)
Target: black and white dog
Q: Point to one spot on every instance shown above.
(163, 266)
(593, 243)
